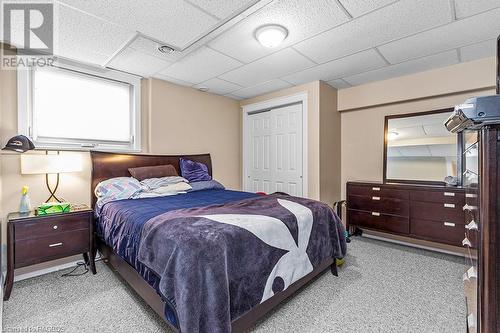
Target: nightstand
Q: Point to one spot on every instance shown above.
(33, 239)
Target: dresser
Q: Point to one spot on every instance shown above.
(431, 213)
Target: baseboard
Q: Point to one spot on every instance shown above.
(390, 240)
(45, 271)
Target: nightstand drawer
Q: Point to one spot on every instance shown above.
(51, 225)
(36, 250)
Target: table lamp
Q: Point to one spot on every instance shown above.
(50, 164)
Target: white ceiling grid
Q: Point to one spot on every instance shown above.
(342, 42)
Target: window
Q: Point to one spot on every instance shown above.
(66, 107)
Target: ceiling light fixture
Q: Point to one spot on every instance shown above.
(271, 35)
(165, 49)
(392, 135)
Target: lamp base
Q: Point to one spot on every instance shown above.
(52, 191)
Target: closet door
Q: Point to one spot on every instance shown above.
(274, 151)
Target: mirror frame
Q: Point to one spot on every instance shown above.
(422, 182)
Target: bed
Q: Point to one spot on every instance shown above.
(203, 260)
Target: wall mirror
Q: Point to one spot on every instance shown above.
(419, 149)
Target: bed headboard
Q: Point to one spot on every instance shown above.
(110, 165)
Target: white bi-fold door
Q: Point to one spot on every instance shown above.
(274, 151)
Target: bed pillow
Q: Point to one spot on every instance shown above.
(194, 171)
(154, 171)
(154, 183)
(206, 185)
(118, 188)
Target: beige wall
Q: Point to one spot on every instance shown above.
(187, 121)
(174, 120)
(364, 107)
(323, 137)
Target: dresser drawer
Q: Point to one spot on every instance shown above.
(379, 204)
(35, 250)
(378, 221)
(443, 232)
(444, 196)
(54, 225)
(443, 212)
(377, 190)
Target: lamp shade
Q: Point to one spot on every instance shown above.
(40, 164)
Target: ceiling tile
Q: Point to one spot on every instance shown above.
(132, 61)
(356, 63)
(84, 38)
(223, 8)
(479, 50)
(238, 98)
(302, 18)
(268, 68)
(175, 22)
(450, 36)
(339, 84)
(443, 150)
(360, 7)
(391, 22)
(470, 7)
(172, 80)
(218, 86)
(405, 68)
(262, 88)
(201, 65)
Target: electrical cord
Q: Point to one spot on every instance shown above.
(78, 265)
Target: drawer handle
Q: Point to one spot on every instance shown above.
(376, 188)
(472, 226)
(468, 208)
(375, 213)
(375, 198)
(471, 272)
(449, 224)
(471, 320)
(449, 194)
(55, 227)
(448, 205)
(470, 195)
(55, 244)
(466, 242)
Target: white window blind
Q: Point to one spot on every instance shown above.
(66, 108)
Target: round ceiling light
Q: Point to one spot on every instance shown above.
(392, 135)
(271, 35)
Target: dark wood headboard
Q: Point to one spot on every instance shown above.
(110, 165)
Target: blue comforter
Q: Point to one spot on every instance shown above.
(120, 224)
(214, 255)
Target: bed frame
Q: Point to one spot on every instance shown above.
(109, 165)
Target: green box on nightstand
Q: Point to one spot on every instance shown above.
(53, 208)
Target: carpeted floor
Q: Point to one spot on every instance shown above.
(383, 287)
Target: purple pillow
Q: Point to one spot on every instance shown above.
(194, 171)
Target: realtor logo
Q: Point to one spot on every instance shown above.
(29, 27)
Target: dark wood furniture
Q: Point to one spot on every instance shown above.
(432, 213)
(482, 265)
(33, 239)
(109, 165)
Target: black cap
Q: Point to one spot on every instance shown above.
(19, 143)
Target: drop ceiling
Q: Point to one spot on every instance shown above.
(342, 42)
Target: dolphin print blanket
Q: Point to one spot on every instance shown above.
(217, 262)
